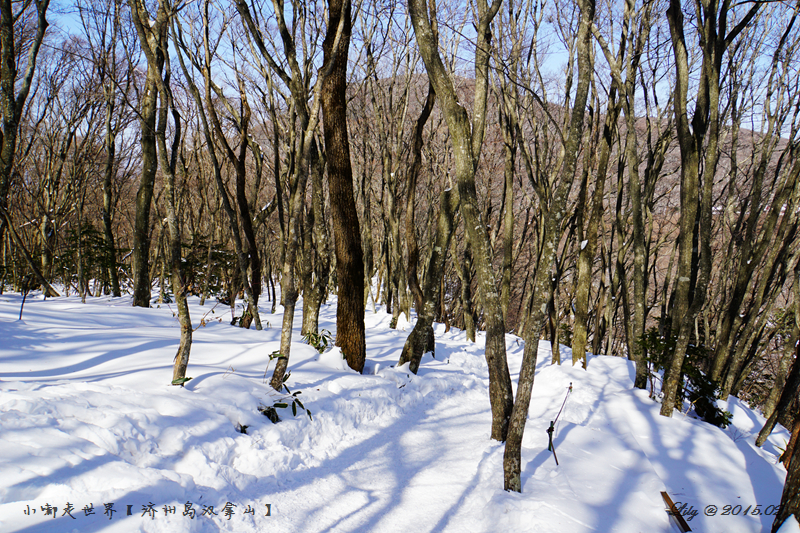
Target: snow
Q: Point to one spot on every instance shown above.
(790, 526)
(88, 418)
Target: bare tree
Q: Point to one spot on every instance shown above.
(297, 79)
(350, 335)
(698, 139)
(634, 38)
(427, 293)
(551, 236)
(103, 30)
(201, 59)
(762, 235)
(154, 39)
(14, 91)
(467, 139)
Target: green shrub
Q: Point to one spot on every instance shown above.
(320, 341)
(283, 397)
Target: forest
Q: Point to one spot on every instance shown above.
(618, 177)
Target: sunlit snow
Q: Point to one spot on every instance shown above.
(89, 420)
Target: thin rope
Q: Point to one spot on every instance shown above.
(569, 390)
(550, 446)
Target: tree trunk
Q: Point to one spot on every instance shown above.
(179, 288)
(788, 395)
(153, 40)
(687, 302)
(696, 179)
(467, 140)
(411, 232)
(510, 154)
(209, 269)
(317, 292)
(790, 499)
(14, 90)
(141, 229)
(110, 96)
(82, 281)
(426, 295)
(289, 292)
(108, 232)
(771, 403)
(467, 304)
(556, 211)
(420, 340)
(588, 247)
(350, 335)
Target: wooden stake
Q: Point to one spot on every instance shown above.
(673, 511)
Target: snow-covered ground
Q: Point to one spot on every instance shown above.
(94, 438)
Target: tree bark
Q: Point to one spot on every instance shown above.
(108, 177)
(411, 180)
(790, 499)
(426, 295)
(350, 334)
(315, 294)
(696, 180)
(420, 340)
(140, 256)
(467, 304)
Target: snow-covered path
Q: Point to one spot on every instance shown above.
(88, 419)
